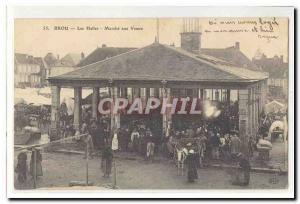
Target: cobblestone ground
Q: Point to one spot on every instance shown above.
(59, 169)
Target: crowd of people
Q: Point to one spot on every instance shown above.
(210, 141)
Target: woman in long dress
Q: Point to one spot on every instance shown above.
(191, 161)
(107, 159)
(21, 168)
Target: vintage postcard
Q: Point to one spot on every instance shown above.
(185, 104)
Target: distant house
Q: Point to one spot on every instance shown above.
(66, 64)
(28, 70)
(278, 73)
(43, 71)
(232, 55)
(102, 53)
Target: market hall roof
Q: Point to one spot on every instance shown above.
(102, 53)
(232, 55)
(158, 62)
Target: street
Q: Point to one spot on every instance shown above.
(59, 169)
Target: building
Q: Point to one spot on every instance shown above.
(66, 64)
(43, 70)
(28, 70)
(163, 71)
(278, 73)
(102, 53)
(191, 42)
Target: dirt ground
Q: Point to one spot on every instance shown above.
(60, 169)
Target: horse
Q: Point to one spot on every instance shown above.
(181, 154)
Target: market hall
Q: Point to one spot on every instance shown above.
(163, 71)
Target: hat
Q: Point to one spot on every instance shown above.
(189, 144)
(191, 151)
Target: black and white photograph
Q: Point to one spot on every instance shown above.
(197, 103)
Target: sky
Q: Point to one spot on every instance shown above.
(37, 37)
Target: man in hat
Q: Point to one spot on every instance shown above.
(106, 162)
(21, 168)
(235, 145)
(243, 177)
(135, 135)
(149, 140)
(191, 161)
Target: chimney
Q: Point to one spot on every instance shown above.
(57, 57)
(191, 36)
(237, 45)
(281, 58)
(82, 55)
(103, 45)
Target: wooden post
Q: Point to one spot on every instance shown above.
(228, 95)
(34, 167)
(77, 108)
(244, 119)
(115, 175)
(95, 100)
(87, 163)
(55, 105)
(156, 92)
(202, 94)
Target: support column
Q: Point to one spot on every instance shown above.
(95, 101)
(136, 92)
(167, 116)
(118, 115)
(77, 108)
(251, 111)
(195, 93)
(143, 96)
(129, 96)
(115, 118)
(55, 104)
(147, 93)
(228, 96)
(254, 105)
(244, 119)
(202, 94)
(257, 107)
(123, 92)
(156, 93)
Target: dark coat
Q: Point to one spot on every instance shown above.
(245, 170)
(191, 161)
(21, 168)
(107, 158)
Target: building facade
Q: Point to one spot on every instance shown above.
(278, 73)
(28, 71)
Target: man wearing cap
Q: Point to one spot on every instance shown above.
(245, 167)
(192, 166)
(235, 144)
(21, 168)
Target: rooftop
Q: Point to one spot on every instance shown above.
(162, 62)
(103, 53)
(232, 55)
